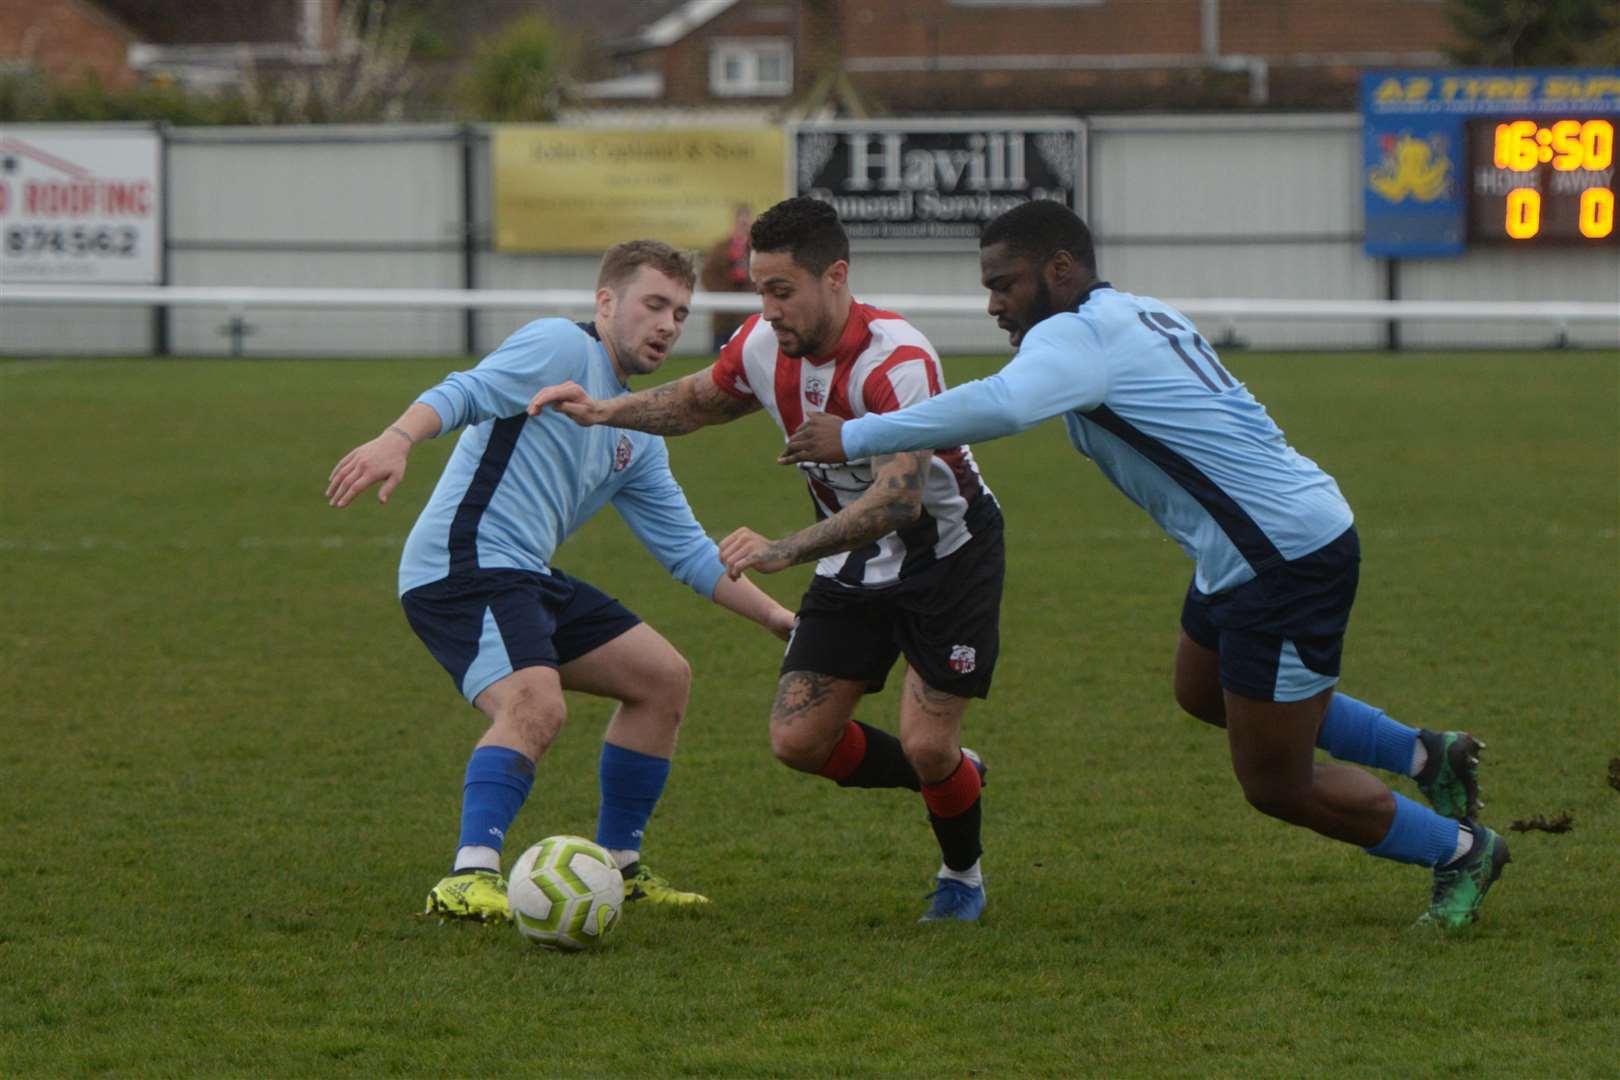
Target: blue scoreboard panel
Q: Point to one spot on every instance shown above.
(1519, 157)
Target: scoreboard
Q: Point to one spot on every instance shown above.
(1510, 158)
(1546, 179)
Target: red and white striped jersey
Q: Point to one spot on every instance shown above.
(881, 363)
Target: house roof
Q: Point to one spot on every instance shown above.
(632, 25)
(206, 22)
(602, 22)
(605, 21)
(621, 25)
(681, 21)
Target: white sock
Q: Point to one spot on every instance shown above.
(478, 857)
(623, 857)
(1420, 758)
(971, 876)
(1465, 844)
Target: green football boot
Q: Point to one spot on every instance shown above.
(1449, 778)
(641, 884)
(1460, 887)
(472, 896)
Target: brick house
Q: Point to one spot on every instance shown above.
(203, 43)
(66, 40)
(918, 56)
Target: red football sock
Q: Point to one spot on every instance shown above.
(846, 755)
(955, 794)
(954, 812)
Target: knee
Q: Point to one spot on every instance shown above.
(663, 683)
(1200, 704)
(1275, 797)
(799, 748)
(530, 718)
(932, 758)
(674, 681)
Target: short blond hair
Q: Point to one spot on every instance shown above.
(622, 261)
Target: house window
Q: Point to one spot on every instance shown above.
(751, 68)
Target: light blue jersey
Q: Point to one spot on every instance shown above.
(517, 486)
(1144, 396)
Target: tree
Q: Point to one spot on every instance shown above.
(1536, 33)
(519, 73)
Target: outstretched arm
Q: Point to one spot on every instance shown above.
(546, 350)
(751, 602)
(672, 409)
(1055, 371)
(893, 501)
(654, 507)
(973, 412)
(383, 458)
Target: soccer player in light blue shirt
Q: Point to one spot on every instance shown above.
(480, 589)
(1275, 552)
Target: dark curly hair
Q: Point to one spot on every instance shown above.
(1040, 229)
(807, 229)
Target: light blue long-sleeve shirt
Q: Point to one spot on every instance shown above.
(1146, 398)
(517, 486)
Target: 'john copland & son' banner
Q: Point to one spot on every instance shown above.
(560, 189)
(937, 180)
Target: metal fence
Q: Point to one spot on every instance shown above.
(1249, 223)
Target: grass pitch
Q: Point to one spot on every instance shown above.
(230, 773)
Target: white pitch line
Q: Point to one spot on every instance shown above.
(33, 367)
(337, 543)
(245, 543)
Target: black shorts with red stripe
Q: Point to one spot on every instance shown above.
(946, 621)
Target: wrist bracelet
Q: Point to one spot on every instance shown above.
(402, 433)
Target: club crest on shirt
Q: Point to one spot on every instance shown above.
(815, 391)
(963, 659)
(621, 454)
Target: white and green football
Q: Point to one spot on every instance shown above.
(565, 893)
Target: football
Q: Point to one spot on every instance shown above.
(565, 893)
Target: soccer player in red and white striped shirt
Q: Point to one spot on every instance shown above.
(908, 547)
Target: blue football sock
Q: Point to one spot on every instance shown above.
(631, 783)
(497, 782)
(1355, 731)
(1417, 835)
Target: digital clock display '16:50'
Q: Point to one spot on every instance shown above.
(1545, 179)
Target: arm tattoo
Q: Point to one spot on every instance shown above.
(715, 402)
(662, 410)
(892, 502)
(797, 694)
(678, 407)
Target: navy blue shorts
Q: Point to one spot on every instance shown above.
(485, 625)
(1281, 635)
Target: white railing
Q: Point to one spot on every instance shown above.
(240, 298)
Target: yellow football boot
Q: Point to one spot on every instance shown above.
(471, 895)
(641, 884)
